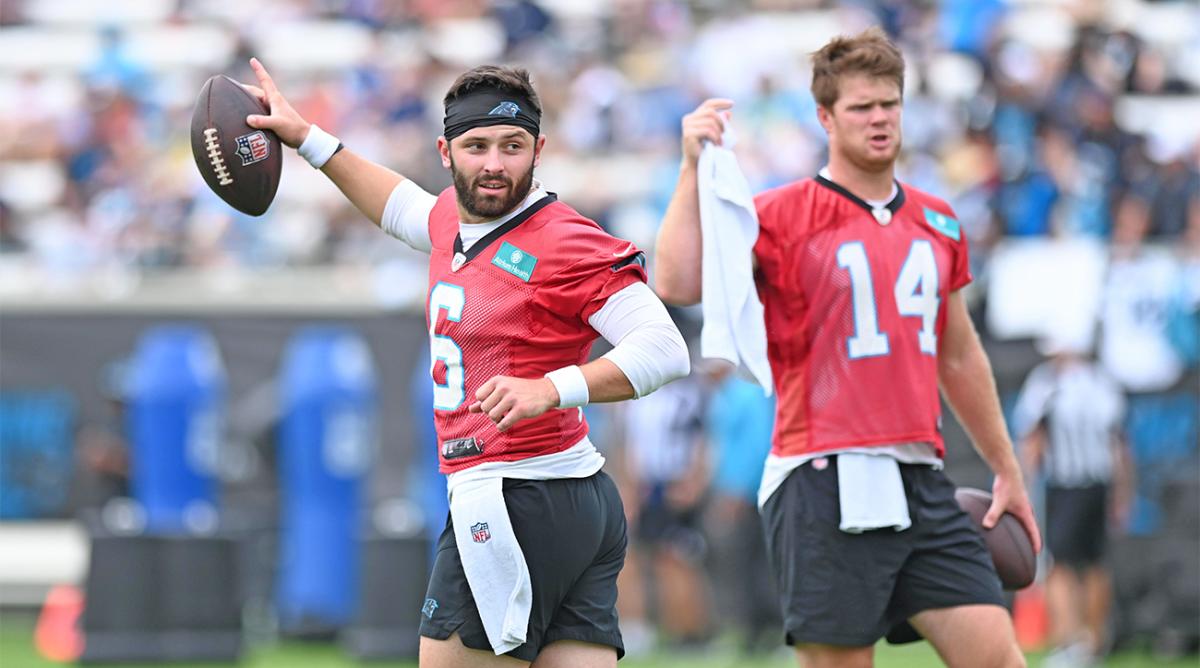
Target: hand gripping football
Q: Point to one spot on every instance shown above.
(240, 164)
(1011, 549)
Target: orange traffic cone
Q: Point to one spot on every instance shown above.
(57, 635)
(1029, 617)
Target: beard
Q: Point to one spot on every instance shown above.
(486, 205)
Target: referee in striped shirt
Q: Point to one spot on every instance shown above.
(1069, 415)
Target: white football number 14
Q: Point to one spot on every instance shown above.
(915, 291)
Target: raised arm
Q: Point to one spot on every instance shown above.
(677, 251)
(966, 379)
(366, 184)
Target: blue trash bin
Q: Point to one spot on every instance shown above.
(175, 419)
(326, 444)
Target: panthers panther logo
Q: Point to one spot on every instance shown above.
(505, 108)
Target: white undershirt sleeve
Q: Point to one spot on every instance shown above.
(406, 215)
(647, 346)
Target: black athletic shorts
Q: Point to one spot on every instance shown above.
(659, 524)
(572, 532)
(849, 589)
(1077, 524)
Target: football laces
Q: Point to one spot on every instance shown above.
(214, 156)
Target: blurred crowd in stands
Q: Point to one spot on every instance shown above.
(1033, 119)
(1063, 132)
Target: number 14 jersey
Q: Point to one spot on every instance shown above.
(855, 305)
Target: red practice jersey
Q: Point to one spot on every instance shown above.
(854, 311)
(518, 306)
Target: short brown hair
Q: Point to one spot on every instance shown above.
(869, 52)
(505, 79)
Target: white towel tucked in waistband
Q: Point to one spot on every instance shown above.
(871, 493)
(493, 561)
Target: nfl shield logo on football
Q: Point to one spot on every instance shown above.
(253, 147)
(480, 533)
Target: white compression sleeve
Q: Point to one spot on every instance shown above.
(647, 346)
(406, 215)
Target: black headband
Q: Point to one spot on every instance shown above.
(488, 106)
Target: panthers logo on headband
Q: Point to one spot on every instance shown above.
(505, 108)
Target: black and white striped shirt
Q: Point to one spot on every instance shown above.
(1081, 409)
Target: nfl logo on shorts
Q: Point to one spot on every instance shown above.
(252, 147)
(480, 533)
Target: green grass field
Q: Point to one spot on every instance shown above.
(17, 651)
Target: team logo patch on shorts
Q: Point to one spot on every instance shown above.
(480, 533)
(429, 608)
(252, 147)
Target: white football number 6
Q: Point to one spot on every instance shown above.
(452, 299)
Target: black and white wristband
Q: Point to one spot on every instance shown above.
(318, 147)
(571, 385)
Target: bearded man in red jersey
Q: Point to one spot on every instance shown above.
(520, 286)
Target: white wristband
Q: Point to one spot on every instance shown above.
(571, 385)
(318, 147)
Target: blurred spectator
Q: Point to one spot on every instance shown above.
(115, 69)
(668, 467)
(740, 422)
(1143, 283)
(1025, 202)
(102, 450)
(968, 25)
(1070, 416)
(1174, 191)
(9, 241)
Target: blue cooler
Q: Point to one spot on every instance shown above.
(326, 443)
(175, 418)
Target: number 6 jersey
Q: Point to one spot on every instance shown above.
(855, 303)
(516, 303)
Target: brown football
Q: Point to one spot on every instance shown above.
(240, 164)
(1012, 551)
